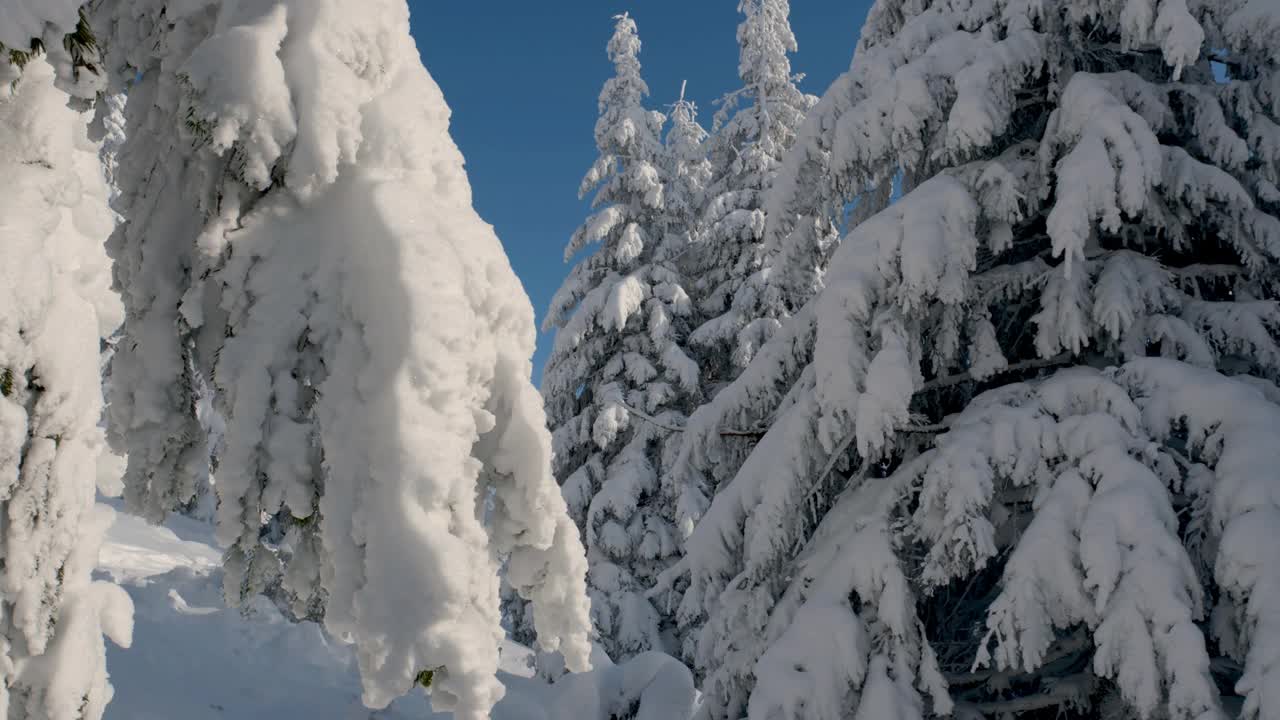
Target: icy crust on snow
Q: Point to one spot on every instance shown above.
(301, 239)
(56, 303)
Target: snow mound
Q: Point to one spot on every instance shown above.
(193, 658)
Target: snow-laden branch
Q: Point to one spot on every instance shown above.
(55, 305)
(1018, 367)
(300, 243)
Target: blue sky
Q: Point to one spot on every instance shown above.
(522, 79)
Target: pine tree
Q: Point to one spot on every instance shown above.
(1013, 456)
(739, 306)
(299, 244)
(54, 291)
(618, 383)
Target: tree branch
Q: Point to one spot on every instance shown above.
(1072, 690)
(1069, 646)
(958, 378)
(924, 429)
(934, 384)
(645, 416)
(755, 433)
(667, 578)
(831, 466)
(1016, 705)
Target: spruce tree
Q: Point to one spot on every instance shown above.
(688, 173)
(618, 383)
(688, 176)
(298, 241)
(1017, 456)
(739, 306)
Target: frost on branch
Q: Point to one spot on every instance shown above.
(300, 244)
(54, 291)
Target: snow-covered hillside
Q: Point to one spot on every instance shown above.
(195, 659)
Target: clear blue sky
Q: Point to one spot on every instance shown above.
(522, 79)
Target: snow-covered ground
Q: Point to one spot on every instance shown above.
(194, 659)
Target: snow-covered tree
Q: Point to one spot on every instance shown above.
(687, 172)
(299, 243)
(57, 304)
(618, 382)
(739, 306)
(1014, 458)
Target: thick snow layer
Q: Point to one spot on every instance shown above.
(193, 658)
(135, 551)
(300, 240)
(54, 307)
(21, 21)
(1088, 225)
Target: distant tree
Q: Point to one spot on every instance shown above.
(618, 383)
(687, 171)
(739, 306)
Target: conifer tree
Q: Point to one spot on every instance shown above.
(618, 383)
(1012, 459)
(739, 306)
(55, 306)
(687, 170)
(299, 243)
